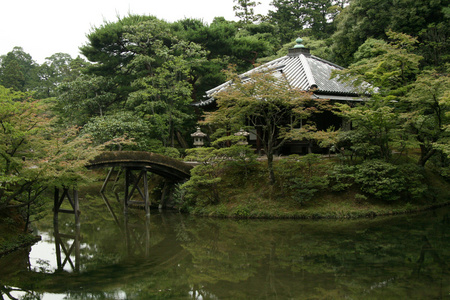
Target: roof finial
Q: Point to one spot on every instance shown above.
(299, 42)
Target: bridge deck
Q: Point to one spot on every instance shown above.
(159, 164)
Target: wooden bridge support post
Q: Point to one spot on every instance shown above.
(146, 196)
(126, 198)
(132, 182)
(147, 235)
(55, 207)
(74, 202)
(167, 192)
(61, 248)
(76, 208)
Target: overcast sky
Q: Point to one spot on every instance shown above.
(45, 27)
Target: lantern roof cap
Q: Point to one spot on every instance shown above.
(198, 133)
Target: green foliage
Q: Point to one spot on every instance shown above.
(435, 47)
(245, 12)
(305, 188)
(34, 154)
(427, 112)
(163, 88)
(341, 177)
(204, 187)
(268, 104)
(388, 67)
(18, 70)
(121, 125)
(389, 182)
(83, 98)
(363, 19)
(148, 70)
(53, 72)
(292, 17)
(241, 211)
(380, 179)
(416, 184)
(302, 177)
(241, 158)
(375, 129)
(407, 108)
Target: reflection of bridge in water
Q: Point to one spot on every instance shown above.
(70, 276)
(134, 166)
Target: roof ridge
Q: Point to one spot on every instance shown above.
(327, 62)
(308, 72)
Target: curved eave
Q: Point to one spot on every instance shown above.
(335, 97)
(203, 102)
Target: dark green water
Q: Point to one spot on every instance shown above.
(171, 256)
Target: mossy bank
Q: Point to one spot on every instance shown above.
(312, 187)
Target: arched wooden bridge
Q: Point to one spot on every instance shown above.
(167, 167)
(136, 165)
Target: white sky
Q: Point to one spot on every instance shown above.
(45, 27)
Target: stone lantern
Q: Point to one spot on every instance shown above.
(243, 133)
(198, 138)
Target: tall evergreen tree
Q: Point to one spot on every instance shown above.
(55, 70)
(18, 70)
(295, 16)
(364, 19)
(244, 10)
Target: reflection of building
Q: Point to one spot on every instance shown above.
(305, 72)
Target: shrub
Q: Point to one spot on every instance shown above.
(415, 182)
(380, 179)
(241, 211)
(302, 176)
(341, 177)
(304, 189)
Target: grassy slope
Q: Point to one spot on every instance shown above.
(253, 197)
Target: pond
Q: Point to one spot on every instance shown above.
(173, 256)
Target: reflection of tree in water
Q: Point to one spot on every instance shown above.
(223, 251)
(6, 292)
(319, 259)
(216, 259)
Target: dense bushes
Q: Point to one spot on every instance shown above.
(205, 187)
(381, 180)
(302, 177)
(231, 177)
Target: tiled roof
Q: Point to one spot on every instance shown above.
(303, 71)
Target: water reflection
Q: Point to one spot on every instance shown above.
(174, 256)
(67, 245)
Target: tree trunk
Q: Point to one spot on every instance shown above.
(425, 155)
(270, 168)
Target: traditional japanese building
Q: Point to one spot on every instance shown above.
(305, 72)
